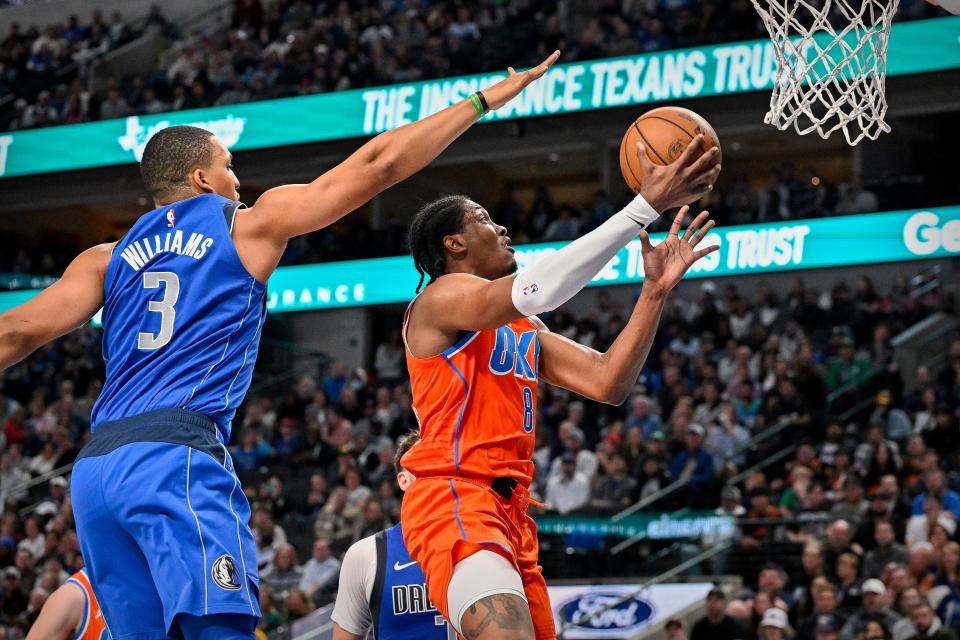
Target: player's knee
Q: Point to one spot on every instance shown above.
(502, 616)
(486, 598)
(223, 626)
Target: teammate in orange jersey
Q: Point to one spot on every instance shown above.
(71, 613)
(476, 351)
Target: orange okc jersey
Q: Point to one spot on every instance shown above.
(92, 625)
(477, 403)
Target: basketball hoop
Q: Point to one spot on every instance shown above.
(831, 65)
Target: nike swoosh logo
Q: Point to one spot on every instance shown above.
(400, 567)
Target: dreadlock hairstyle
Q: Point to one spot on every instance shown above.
(425, 238)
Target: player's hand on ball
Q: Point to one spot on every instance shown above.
(665, 264)
(509, 88)
(685, 180)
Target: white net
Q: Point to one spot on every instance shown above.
(831, 65)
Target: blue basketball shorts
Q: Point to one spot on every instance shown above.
(162, 523)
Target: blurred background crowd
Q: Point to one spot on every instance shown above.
(788, 194)
(850, 534)
(282, 48)
(867, 498)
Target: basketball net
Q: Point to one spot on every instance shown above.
(831, 65)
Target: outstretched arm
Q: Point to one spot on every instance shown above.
(609, 377)
(58, 309)
(462, 302)
(292, 210)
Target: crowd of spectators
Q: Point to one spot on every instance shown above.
(870, 497)
(787, 194)
(282, 48)
(44, 70)
(290, 47)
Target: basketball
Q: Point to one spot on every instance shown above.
(665, 132)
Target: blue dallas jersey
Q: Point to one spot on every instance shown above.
(399, 603)
(181, 315)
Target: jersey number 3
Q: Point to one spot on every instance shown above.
(164, 306)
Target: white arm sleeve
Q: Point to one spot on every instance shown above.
(562, 274)
(357, 575)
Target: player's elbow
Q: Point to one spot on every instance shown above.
(9, 334)
(613, 392)
(385, 168)
(383, 160)
(15, 341)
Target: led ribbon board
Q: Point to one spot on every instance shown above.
(915, 47)
(757, 248)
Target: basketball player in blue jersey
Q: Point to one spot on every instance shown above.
(382, 591)
(161, 517)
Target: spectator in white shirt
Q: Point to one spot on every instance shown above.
(320, 571)
(586, 460)
(388, 361)
(685, 343)
(33, 539)
(42, 463)
(741, 319)
(12, 478)
(570, 490)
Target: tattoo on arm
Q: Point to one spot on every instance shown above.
(498, 613)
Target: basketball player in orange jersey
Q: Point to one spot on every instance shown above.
(476, 351)
(71, 613)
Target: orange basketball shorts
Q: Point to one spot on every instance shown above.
(447, 519)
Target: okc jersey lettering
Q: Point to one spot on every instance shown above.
(477, 405)
(519, 355)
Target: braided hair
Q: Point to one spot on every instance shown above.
(434, 221)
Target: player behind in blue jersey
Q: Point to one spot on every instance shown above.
(381, 589)
(161, 518)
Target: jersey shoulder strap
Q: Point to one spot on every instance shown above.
(376, 595)
(230, 208)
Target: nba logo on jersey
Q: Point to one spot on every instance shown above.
(530, 288)
(171, 218)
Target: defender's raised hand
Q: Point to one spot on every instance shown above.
(394, 155)
(665, 264)
(681, 182)
(510, 87)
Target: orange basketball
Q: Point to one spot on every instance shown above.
(665, 132)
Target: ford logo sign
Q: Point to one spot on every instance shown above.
(598, 611)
